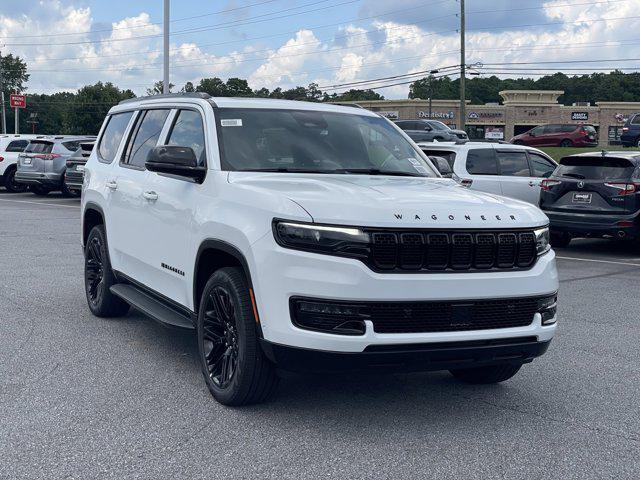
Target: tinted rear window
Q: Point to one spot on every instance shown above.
(482, 161)
(72, 145)
(37, 146)
(17, 146)
(595, 168)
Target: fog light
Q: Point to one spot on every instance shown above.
(547, 308)
(328, 317)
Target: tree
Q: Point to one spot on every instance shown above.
(14, 74)
(354, 95)
(158, 88)
(237, 87)
(90, 106)
(213, 86)
(188, 88)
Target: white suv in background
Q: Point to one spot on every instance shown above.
(511, 170)
(308, 236)
(10, 147)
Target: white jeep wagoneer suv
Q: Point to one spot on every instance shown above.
(308, 236)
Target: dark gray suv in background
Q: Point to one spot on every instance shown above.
(423, 131)
(43, 163)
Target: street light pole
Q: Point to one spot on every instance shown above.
(463, 94)
(165, 81)
(431, 73)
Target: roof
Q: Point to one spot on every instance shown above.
(631, 154)
(245, 102)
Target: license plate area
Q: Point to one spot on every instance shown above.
(580, 197)
(26, 161)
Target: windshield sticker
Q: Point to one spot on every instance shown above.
(414, 161)
(420, 169)
(231, 122)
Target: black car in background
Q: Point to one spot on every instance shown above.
(74, 174)
(423, 131)
(631, 131)
(593, 194)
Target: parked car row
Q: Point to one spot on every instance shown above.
(430, 131)
(559, 135)
(595, 194)
(39, 163)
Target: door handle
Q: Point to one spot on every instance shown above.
(112, 185)
(533, 184)
(150, 195)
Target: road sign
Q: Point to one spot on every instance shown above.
(18, 101)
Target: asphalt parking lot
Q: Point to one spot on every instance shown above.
(85, 397)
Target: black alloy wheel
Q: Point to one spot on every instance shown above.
(220, 342)
(233, 364)
(98, 277)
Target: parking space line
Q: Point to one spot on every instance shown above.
(39, 203)
(614, 262)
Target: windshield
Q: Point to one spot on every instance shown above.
(315, 142)
(595, 168)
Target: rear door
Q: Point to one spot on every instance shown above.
(592, 184)
(515, 177)
(482, 167)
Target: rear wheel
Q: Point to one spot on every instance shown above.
(98, 277)
(566, 143)
(560, 239)
(40, 190)
(638, 142)
(486, 375)
(234, 367)
(10, 181)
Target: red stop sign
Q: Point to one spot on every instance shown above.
(18, 101)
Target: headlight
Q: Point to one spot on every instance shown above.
(542, 240)
(334, 240)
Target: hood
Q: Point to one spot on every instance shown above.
(381, 201)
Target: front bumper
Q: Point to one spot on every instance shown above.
(408, 358)
(585, 224)
(279, 274)
(53, 180)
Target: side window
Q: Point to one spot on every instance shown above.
(540, 165)
(482, 161)
(17, 146)
(112, 135)
(188, 131)
(636, 120)
(144, 137)
(552, 129)
(568, 128)
(403, 125)
(538, 130)
(72, 146)
(513, 163)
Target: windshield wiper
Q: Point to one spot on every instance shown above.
(574, 175)
(377, 171)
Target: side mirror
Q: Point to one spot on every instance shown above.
(443, 166)
(428, 128)
(175, 160)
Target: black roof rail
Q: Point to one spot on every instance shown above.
(202, 95)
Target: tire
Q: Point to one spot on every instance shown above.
(486, 375)
(66, 192)
(638, 142)
(233, 364)
(10, 181)
(566, 143)
(99, 277)
(39, 190)
(560, 239)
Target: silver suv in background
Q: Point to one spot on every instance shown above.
(43, 163)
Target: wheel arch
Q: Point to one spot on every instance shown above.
(212, 255)
(93, 215)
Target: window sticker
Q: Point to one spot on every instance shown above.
(231, 122)
(420, 168)
(414, 161)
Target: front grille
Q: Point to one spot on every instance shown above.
(454, 250)
(416, 317)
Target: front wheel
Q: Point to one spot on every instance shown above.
(233, 364)
(486, 375)
(10, 182)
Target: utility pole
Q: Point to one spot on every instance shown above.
(4, 118)
(165, 81)
(463, 91)
(431, 73)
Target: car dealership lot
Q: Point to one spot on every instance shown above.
(83, 396)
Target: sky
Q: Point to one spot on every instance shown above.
(334, 43)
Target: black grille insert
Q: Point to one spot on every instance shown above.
(454, 250)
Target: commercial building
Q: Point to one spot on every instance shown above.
(519, 111)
